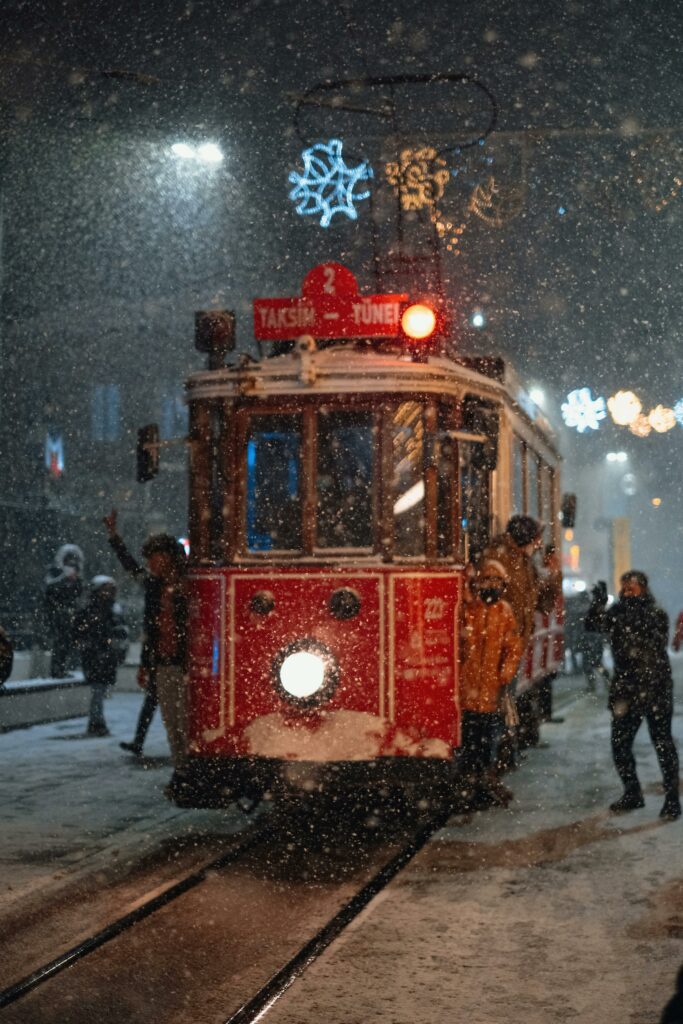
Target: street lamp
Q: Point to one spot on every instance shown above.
(477, 319)
(206, 153)
(616, 456)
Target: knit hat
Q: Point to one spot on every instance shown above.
(97, 582)
(638, 576)
(492, 567)
(523, 530)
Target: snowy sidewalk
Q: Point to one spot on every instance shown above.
(551, 910)
(71, 804)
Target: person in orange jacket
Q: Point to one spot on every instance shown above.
(489, 655)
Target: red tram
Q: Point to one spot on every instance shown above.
(336, 494)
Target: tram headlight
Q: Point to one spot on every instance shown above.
(305, 672)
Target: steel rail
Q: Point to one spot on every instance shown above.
(258, 1006)
(111, 931)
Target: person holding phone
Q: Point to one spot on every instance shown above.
(642, 686)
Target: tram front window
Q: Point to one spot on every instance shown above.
(274, 483)
(409, 482)
(345, 471)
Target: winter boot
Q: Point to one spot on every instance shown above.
(132, 748)
(631, 800)
(672, 807)
(500, 794)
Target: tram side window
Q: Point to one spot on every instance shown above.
(408, 480)
(518, 502)
(446, 484)
(474, 499)
(534, 506)
(274, 483)
(345, 472)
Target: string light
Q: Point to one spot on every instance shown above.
(496, 204)
(624, 407)
(641, 426)
(662, 419)
(582, 411)
(418, 178)
(327, 185)
(678, 411)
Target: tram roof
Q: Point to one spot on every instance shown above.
(354, 370)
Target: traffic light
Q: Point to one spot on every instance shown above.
(214, 333)
(147, 453)
(423, 327)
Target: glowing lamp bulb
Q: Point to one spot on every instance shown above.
(418, 321)
(662, 419)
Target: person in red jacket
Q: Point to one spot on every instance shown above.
(490, 651)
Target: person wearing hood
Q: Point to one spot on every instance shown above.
(489, 654)
(528, 589)
(101, 636)
(62, 600)
(641, 688)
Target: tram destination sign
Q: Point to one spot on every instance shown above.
(330, 306)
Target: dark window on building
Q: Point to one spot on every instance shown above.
(105, 413)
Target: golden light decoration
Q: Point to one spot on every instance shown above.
(496, 204)
(641, 426)
(624, 407)
(451, 232)
(662, 419)
(419, 177)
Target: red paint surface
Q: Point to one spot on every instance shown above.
(330, 306)
(412, 615)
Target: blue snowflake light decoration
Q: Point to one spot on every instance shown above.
(327, 185)
(678, 412)
(582, 411)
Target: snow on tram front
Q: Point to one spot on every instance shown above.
(336, 494)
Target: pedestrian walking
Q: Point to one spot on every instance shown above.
(678, 633)
(147, 681)
(164, 647)
(101, 637)
(6, 656)
(490, 651)
(641, 688)
(61, 602)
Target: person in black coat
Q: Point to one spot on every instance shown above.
(101, 636)
(61, 603)
(642, 687)
(164, 648)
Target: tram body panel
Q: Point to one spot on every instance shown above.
(396, 662)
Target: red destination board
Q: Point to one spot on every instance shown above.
(330, 306)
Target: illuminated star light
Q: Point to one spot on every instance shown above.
(327, 184)
(582, 411)
(678, 411)
(624, 407)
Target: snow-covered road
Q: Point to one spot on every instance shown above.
(550, 910)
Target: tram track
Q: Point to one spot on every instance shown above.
(82, 949)
(258, 998)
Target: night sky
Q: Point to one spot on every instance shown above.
(582, 286)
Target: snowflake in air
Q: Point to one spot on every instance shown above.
(583, 411)
(327, 185)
